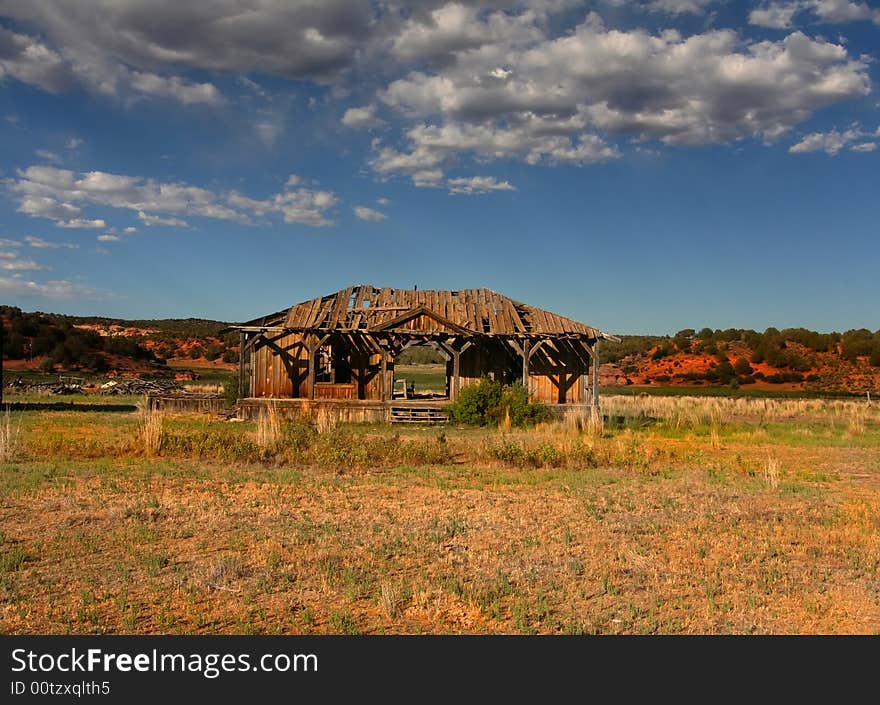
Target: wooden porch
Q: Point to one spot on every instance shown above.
(426, 411)
(349, 410)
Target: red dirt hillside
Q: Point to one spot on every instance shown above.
(758, 360)
(55, 343)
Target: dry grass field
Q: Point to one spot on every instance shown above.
(681, 515)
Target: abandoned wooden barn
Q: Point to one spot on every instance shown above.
(339, 351)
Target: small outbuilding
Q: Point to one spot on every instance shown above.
(343, 347)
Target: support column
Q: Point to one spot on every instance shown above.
(383, 381)
(313, 350)
(241, 342)
(595, 355)
(584, 384)
(526, 357)
(456, 374)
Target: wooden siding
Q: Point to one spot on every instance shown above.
(327, 390)
(551, 380)
(280, 370)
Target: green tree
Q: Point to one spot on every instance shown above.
(472, 405)
(742, 367)
(213, 351)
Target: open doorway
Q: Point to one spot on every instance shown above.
(421, 371)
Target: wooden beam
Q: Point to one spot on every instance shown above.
(446, 350)
(241, 353)
(436, 344)
(595, 351)
(313, 349)
(260, 329)
(537, 346)
(526, 355)
(420, 311)
(312, 372)
(583, 376)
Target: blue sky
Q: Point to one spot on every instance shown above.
(642, 167)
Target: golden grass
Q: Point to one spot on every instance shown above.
(150, 422)
(684, 411)
(9, 434)
(268, 435)
(771, 472)
(743, 528)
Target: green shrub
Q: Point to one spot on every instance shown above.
(473, 403)
(523, 412)
(424, 452)
(545, 454)
(213, 443)
(783, 377)
(213, 351)
(507, 451)
(661, 352)
(725, 372)
(742, 367)
(491, 403)
(297, 435)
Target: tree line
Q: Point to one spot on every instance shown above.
(59, 342)
(770, 346)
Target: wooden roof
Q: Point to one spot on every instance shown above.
(481, 311)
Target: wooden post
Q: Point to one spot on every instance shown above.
(456, 373)
(241, 341)
(312, 350)
(595, 355)
(585, 381)
(526, 356)
(383, 382)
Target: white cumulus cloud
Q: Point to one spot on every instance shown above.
(12, 261)
(40, 243)
(477, 184)
(54, 289)
(365, 213)
(782, 15)
(363, 117)
(62, 194)
(834, 141)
